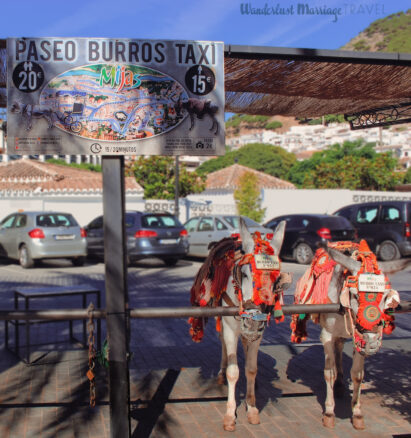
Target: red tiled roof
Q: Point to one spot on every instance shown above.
(228, 178)
(32, 175)
(303, 155)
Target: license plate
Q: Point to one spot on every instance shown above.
(168, 241)
(371, 283)
(64, 236)
(267, 262)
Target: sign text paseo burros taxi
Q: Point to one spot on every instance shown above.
(107, 97)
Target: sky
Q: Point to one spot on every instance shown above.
(285, 23)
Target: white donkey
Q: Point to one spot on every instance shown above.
(356, 282)
(253, 283)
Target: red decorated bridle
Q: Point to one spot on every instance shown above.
(370, 286)
(265, 270)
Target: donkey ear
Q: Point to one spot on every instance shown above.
(347, 262)
(390, 268)
(277, 240)
(246, 237)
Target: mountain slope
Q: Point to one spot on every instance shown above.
(389, 34)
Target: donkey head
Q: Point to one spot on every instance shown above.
(16, 107)
(367, 294)
(260, 265)
(181, 105)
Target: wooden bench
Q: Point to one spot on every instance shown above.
(27, 294)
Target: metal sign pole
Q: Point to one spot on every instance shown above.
(116, 295)
(177, 190)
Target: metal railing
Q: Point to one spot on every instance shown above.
(167, 312)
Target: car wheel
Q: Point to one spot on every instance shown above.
(170, 261)
(388, 251)
(303, 254)
(78, 261)
(25, 259)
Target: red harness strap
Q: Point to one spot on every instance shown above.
(263, 279)
(369, 313)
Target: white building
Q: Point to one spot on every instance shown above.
(317, 137)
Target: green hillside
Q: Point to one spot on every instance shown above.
(389, 34)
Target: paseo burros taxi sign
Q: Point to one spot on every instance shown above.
(115, 97)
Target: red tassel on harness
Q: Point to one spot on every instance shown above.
(278, 311)
(218, 324)
(197, 328)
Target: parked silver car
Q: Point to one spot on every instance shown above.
(203, 230)
(28, 236)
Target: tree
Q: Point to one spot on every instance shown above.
(353, 165)
(156, 175)
(247, 197)
(273, 160)
(407, 176)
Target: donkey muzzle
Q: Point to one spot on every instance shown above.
(253, 323)
(370, 343)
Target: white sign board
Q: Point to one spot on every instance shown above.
(267, 262)
(115, 97)
(371, 283)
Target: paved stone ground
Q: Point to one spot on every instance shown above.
(173, 381)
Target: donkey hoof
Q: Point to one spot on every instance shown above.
(229, 423)
(329, 420)
(358, 422)
(253, 416)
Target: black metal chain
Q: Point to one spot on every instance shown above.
(91, 355)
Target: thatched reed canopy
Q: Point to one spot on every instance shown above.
(309, 82)
(302, 82)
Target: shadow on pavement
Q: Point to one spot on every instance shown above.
(48, 391)
(386, 375)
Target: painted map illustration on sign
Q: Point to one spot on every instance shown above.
(114, 102)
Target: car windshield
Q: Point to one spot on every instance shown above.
(234, 221)
(55, 220)
(159, 221)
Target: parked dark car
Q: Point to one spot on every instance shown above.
(303, 232)
(159, 235)
(385, 225)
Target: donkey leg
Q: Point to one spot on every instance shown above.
(251, 353)
(49, 119)
(221, 377)
(231, 340)
(214, 125)
(339, 383)
(191, 121)
(29, 124)
(357, 375)
(330, 374)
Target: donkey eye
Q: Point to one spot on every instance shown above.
(246, 274)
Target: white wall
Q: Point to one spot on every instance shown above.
(277, 202)
(280, 202)
(83, 207)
